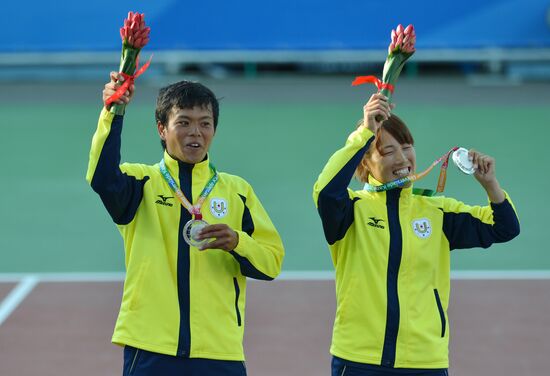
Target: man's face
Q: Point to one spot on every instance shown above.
(188, 133)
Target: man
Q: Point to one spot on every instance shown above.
(182, 311)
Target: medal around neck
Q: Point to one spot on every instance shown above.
(191, 232)
(193, 227)
(462, 160)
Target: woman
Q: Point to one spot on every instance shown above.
(391, 249)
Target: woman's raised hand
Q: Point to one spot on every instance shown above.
(376, 111)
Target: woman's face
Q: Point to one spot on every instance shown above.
(395, 161)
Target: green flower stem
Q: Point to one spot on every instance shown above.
(392, 68)
(128, 60)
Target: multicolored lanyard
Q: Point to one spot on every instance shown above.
(194, 210)
(403, 181)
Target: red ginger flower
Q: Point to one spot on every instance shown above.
(400, 50)
(134, 32)
(402, 40)
(134, 35)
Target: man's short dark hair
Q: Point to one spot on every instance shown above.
(185, 95)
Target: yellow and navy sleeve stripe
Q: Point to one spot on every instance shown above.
(120, 193)
(475, 226)
(260, 251)
(330, 193)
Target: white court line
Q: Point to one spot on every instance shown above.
(292, 275)
(306, 275)
(65, 277)
(455, 275)
(16, 296)
(500, 274)
(26, 282)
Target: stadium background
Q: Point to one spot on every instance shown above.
(480, 78)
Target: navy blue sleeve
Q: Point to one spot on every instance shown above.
(466, 231)
(334, 205)
(121, 194)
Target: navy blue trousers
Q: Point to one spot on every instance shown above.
(342, 367)
(139, 362)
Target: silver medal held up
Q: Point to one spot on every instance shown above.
(191, 232)
(463, 161)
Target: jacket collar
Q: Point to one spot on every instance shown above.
(201, 170)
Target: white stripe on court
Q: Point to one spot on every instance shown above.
(291, 275)
(65, 277)
(306, 275)
(500, 274)
(16, 296)
(455, 275)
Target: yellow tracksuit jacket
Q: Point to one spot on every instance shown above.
(391, 252)
(178, 300)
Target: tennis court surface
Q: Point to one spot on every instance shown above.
(498, 327)
(58, 310)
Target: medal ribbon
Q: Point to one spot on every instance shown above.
(194, 210)
(403, 181)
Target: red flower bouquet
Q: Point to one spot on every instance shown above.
(400, 50)
(134, 35)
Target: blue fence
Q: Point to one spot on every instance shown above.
(43, 26)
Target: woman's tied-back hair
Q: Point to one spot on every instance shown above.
(395, 127)
(185, 95)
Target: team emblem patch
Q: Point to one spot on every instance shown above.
(218, 207)
(422, 228)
